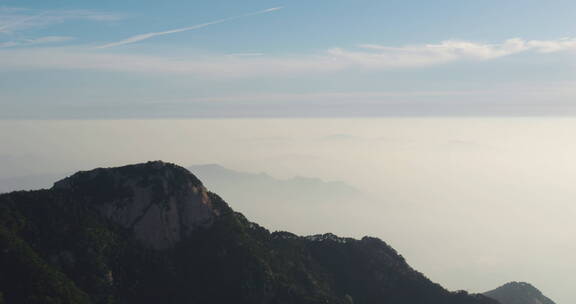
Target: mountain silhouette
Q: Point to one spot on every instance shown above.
(518, 293)
(152, 233)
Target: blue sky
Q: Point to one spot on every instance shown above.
(174, 59)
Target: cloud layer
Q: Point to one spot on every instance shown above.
(380, 56)
(332, 60)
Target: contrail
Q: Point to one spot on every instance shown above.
(184, 29)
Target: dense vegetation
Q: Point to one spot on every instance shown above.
(54, 248)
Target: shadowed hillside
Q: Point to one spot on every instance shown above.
(152, 233)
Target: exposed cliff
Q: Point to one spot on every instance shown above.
(162, 203)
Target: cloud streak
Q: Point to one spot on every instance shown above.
(6, 27)
(41, 40)
(19, 19)
(364, 57)
(380, 56)
(146, 36)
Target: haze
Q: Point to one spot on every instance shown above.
(473, 203)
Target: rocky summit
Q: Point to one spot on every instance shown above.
(160, 202)
(152, 233)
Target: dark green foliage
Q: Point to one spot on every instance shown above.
(236, 261)
(29, 279)
(55, 249)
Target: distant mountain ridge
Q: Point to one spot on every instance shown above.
(236, 184)
(219, 179)
(152, 233)
(518, 293)
(28, 182)
(275, 203)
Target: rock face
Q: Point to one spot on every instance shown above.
(162, 203)
(518, 293)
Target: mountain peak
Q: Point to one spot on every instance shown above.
(161, 202)
(518, 293)
(151, 169)
(76, 243)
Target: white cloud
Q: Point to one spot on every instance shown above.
(544, 46)
(379, 56)
(333, 60)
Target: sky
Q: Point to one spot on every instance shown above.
(455, 115)
(262, 58)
